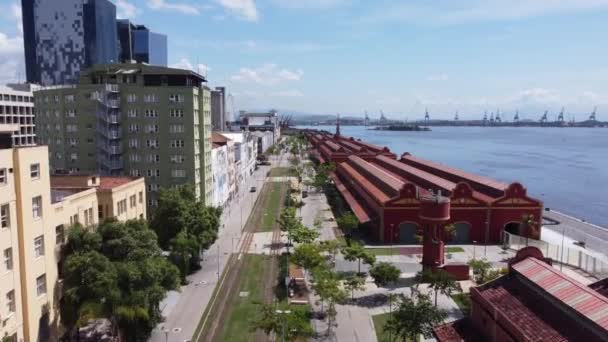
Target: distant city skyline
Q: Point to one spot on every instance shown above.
(348, 56)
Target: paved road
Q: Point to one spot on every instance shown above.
(595, 237)
(183, 310)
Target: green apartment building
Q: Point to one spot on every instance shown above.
(131, 119)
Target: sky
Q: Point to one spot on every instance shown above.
(402, 57)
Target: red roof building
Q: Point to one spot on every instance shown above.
(384, 193)
(533, 302)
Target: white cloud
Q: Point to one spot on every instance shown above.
(309, 4)
(242, 9)
(126, 10)
(464, 11)
(184, 63)
(11, 59)
(267, 74)
(173, 6)
(287, 93)
(437, 77)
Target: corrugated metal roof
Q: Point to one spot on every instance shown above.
(459, 173)
(579, 297)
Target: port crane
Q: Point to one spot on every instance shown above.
(560, 117)
(426, 116)
(382, 117)
(485, 116)
(366, 119)
(516, 117)
(497, 118)
(592, 117)
(456, 116)
(544, 118)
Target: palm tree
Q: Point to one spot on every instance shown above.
(528, 226)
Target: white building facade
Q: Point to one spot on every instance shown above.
(220, 167)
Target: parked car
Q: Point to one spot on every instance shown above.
(304, 193)
(253, 189)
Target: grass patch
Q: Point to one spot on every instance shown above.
(270, 213)
(383, 251)
(242, 309)
(379, 322)
(454, 249)
(463, 300)
(282, 172)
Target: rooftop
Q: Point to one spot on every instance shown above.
(66, 182)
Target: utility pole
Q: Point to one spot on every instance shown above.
(218, 262)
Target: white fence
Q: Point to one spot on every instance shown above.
(574, 256)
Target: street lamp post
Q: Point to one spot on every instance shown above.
(474, 243)
(561, 258)
(485, 246)
(392, 225)
(166, 331)
(218, 262)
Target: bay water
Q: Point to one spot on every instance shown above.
(566, 168)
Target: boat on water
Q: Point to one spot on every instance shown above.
(402, 127)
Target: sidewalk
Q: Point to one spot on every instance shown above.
(183, 310)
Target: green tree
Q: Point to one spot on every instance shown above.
(116, 272)
(354, 283)
(332, 247)
(348, 223)
(303, 234)
(307, 255)
(292, 322)
(439, 281)
(321, 177)
(481, 269)
(384, 273)
(356, 252)
(184, 248)
(414, 316)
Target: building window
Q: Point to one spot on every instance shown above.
(152, 187)
(69, 98)
(133, 143)
(35, 171)
(176, 129)
(177, 159)
(121, 206)
(152, 128)
(5, 216)
(178, 173)
(141, 197)
(131, 98)
(133, 128)
(59, 235)
(8, 259)
(176, 98)
(39, 246)
(73, 156)
(10, 301)
(3, 176)
(154, 158)
(177, 143)
(70, 113)
(74, 219)
(37, 207)
(88, 217)
(133, 201)
(135, 172)
(72, 141)
(151, 113)
(150, 98)
(176, 113)
(132, 113)
(41, 285)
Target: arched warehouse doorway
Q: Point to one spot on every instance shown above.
(407, 233)
(512, 228)
(462, 233)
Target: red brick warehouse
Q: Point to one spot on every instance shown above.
(384, 192)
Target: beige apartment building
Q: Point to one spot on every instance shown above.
(35, 211)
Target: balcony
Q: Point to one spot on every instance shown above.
(111, 164)
(110, 149)
(109, 133)
(110, 103)
(112, 88)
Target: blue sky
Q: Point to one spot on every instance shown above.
(347, 56)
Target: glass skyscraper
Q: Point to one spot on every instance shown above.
(139, 44)
(63, 37)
